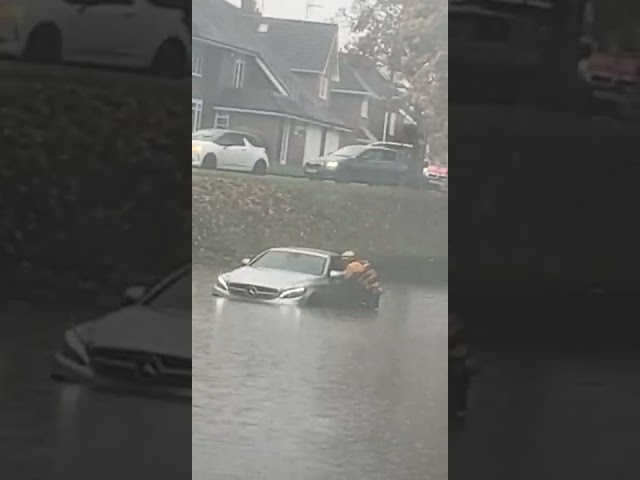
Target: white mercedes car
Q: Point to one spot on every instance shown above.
(291, 276)
(147, 34)
(228, 150)
(144, 347)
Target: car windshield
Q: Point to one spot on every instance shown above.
(292, 262)
(350, 151)
(176, 295)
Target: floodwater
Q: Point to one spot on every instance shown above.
(301, 394)
(278, 394)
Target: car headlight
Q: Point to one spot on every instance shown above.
(74, 348)
(196, 148)
(222, 283)
(293, 292)
(331, 165)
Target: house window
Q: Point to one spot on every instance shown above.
(392, 124)
(364, 109)
(238, 73)
(196, 114)
(196, 65)
(324, 87)
(221, 121)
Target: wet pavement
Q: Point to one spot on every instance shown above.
(292, 394)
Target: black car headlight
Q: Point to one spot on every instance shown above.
(293, 293)
(74, 348)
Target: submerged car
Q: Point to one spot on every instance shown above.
(289, 276)
(143, 347)
(362, 164)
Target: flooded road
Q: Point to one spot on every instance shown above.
(290, 394)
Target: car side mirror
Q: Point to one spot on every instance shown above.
(336, 275)
(246, 261)
(134, 294)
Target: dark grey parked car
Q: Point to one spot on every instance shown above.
(362, 164)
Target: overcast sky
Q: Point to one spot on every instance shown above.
(298, 9)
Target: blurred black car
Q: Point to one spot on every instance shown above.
(496, 54)
(362, 164)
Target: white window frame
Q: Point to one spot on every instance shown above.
(284, 142)
(238, 73)
(324, 87)
(222, 121)
(196, 65)
(364, 109)
(393, 118)
(196, 114)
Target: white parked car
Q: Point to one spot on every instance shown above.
(147, 34)
(228, 150)
(143, 347)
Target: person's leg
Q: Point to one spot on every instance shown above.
(374, 300)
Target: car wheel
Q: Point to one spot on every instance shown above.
(170, 60)
(44, 44)
(210, 162)
(260, 168)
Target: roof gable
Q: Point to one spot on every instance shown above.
(359, 75)
(302, 45)
(225, 24)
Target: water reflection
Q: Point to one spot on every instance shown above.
(316, 394)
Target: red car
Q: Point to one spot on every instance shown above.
(436, 175)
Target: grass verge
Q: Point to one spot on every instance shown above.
(405, 232)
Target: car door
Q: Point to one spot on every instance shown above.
(233, 151)
(103, 31)
(336, 290)
(389, 168)
(364, 167)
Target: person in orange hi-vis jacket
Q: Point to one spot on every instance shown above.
(362, 272)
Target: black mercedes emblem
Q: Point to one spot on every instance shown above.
(252, 291)
(151, 367)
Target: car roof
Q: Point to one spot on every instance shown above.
(310, 251)
(221, 130)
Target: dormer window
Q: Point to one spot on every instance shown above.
(324, 87)
(238, 73)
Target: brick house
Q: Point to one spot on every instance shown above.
(374, 108)
(272, 77)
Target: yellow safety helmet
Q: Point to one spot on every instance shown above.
(349, 255)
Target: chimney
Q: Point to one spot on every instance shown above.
(249, 6)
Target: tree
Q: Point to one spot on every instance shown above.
(409, 37)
